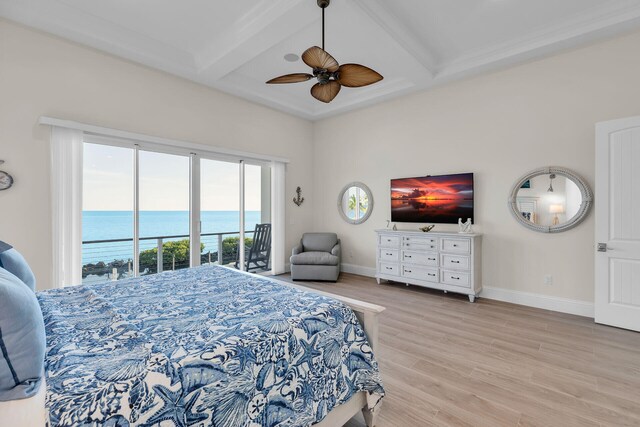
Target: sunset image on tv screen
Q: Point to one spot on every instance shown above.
(436, 199)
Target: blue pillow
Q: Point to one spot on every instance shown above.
(22, 339)
(12, 261)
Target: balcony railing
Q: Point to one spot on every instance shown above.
(113, 257)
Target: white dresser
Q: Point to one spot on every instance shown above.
(447, 261)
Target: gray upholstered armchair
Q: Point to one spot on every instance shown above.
(317, 257)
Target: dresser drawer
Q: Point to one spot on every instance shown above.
(459, 246)
(420, 240)
(389, 241)
(456, 278)
(388, 254)
(389, 269)
(429, 259)
(455, 262)
(420, 273)
(420, 244)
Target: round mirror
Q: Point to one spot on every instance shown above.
(355, 203)
(550, 200)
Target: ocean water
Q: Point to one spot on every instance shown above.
(108, 225)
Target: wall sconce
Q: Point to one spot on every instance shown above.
(551, 178)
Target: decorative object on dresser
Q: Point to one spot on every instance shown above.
(427, 228)
(465, 227)
(565, 203)
(446, 261)
(355, 203)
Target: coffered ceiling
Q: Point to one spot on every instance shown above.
(237, 45)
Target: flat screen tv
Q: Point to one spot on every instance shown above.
(438, 199)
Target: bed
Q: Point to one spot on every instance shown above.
(207, 346)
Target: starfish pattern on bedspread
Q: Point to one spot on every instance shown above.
(203, 346)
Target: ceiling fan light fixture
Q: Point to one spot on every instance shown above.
(330, 75)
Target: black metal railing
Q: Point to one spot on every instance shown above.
(114, 257)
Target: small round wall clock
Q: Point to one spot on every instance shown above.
(6, 180)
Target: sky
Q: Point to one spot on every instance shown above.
(164, 182)
(458, 186)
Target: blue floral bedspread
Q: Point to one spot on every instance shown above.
(201, 347)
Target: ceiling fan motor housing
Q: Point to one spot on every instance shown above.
(324, 3)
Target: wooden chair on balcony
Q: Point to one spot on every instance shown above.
(259, 253)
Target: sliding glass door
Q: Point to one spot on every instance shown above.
(144, 210)
(107, 213)
(163, 212)
(219, 211)
(257, 217)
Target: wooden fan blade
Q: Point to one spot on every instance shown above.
(356, 75)
(317, 58)
(325, 92)
(291, 78)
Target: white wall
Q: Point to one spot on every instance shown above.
(498, 126)
(44, 75)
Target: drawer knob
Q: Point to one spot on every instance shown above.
(431, 259)
(407, 256)
(455, 246)
(389, 268)
(455, 262)
(407, 271)
(455, 278)
(388, 254)
(431, 274)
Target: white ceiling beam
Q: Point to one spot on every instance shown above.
(379, 13)
(74, 24)
(606, 21)
(266, 25)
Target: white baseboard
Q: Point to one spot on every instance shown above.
(358, 269)
(563, 305)
(546, 302)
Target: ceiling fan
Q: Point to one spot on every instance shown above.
(331, 76)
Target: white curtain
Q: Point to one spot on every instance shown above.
(66, 191)
(278, 205)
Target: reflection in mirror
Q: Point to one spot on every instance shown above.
(355, 203)
(549, 199)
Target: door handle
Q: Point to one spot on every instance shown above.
(602, 247)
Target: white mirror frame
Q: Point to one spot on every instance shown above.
(369, 195)
(585, 206)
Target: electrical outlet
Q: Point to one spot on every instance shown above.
(548, 280)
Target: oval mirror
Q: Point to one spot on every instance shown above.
(355, 203)
(550, 200)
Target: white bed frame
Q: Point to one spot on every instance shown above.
(32, 412)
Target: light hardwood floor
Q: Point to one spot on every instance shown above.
(447, 362)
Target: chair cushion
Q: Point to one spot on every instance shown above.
(314, 258)
(12, 261)
(319, 242)
(22, 339)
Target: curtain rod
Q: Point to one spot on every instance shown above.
(117, 133)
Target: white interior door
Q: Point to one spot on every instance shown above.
(617, 202)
